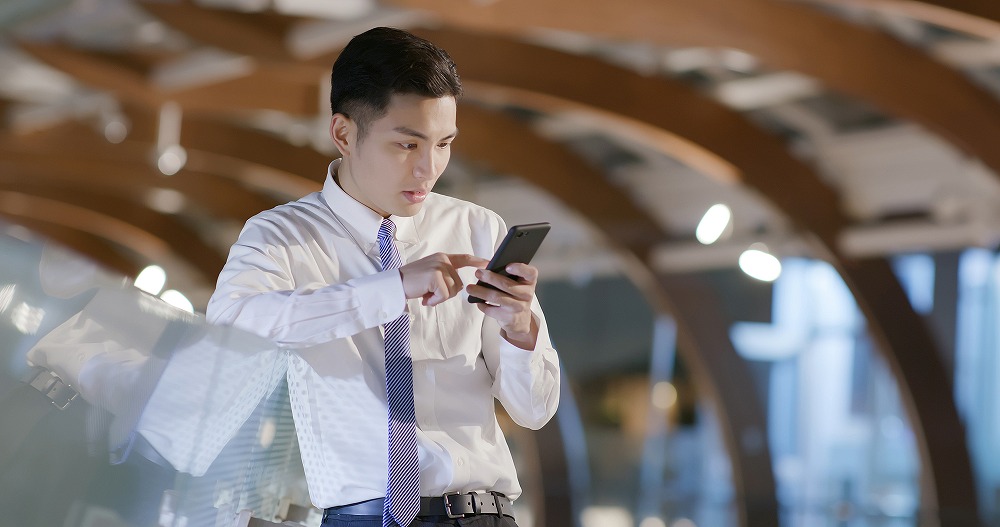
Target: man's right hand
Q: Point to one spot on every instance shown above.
(434, 278)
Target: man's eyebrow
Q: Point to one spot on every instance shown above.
(413, 133)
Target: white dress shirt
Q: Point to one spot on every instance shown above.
(307, 275)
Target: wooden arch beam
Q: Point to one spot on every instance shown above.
(21, 208)
(290, 89)
(984, 9)
(262, 35)
(761, 160)
(717, 367)
(764, 164)
(148, 232)
(255, 159)
(623, 223)
(133, 180)
(105, 176)
(976, 17)
(78, 239)
(826, 231)
(822, 225)
(854, 60)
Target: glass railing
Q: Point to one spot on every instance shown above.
(117, 409)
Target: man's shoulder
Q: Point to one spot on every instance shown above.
(287, 215)
(292, 209)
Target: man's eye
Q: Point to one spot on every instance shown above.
(408, 146)
(444, 145)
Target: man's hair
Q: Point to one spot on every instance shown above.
(382, 62)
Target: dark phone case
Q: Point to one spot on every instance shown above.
(519, 246)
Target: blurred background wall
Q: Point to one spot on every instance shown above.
(772, 275)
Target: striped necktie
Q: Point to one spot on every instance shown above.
(402, 493)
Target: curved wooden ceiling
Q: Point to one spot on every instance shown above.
(234, 170)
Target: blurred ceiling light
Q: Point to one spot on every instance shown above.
(605, 516)
(151, 279)
(201, 67)
(115, 130)
(766, 90)
(165, 200)
(758, 263)
(340, 9)
(652, 521)
(338, 23)
(178, 300)
(713, 224)
(737, 60)
(664, 395)
(29, 81)
(688, 59)
(149, 33)
(171, 160)
(683, 522)
(170, 155)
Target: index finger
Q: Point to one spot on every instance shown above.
(467, 260)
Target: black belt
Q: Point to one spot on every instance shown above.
(451, 505)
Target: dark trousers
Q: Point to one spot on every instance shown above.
(479, 520)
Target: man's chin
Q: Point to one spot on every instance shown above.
(410, 209)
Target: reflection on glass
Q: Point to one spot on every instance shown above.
(6, 295)
(119, 409)
(27, 318)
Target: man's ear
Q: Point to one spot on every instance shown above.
(343, 131)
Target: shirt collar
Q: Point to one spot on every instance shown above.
(362, 222)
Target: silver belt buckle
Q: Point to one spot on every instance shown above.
(51, 386)
(447, 505)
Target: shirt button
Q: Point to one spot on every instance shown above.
(383, 314)
(461, 461)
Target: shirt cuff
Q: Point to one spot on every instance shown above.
(380, 297)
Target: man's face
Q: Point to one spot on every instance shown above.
(402, 155)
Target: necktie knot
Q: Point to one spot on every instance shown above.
(386, 231)
(386, 249)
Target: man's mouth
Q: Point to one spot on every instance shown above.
(415, 196)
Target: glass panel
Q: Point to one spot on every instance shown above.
(118, 409)
(655, 456)
(842, 448)
(977, 370)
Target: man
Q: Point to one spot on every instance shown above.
(376, 347)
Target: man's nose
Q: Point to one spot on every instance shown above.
(426, 166)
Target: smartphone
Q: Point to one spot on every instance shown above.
(518, 246)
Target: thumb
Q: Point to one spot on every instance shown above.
(432, 299)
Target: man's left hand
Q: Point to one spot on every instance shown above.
(510, 303)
